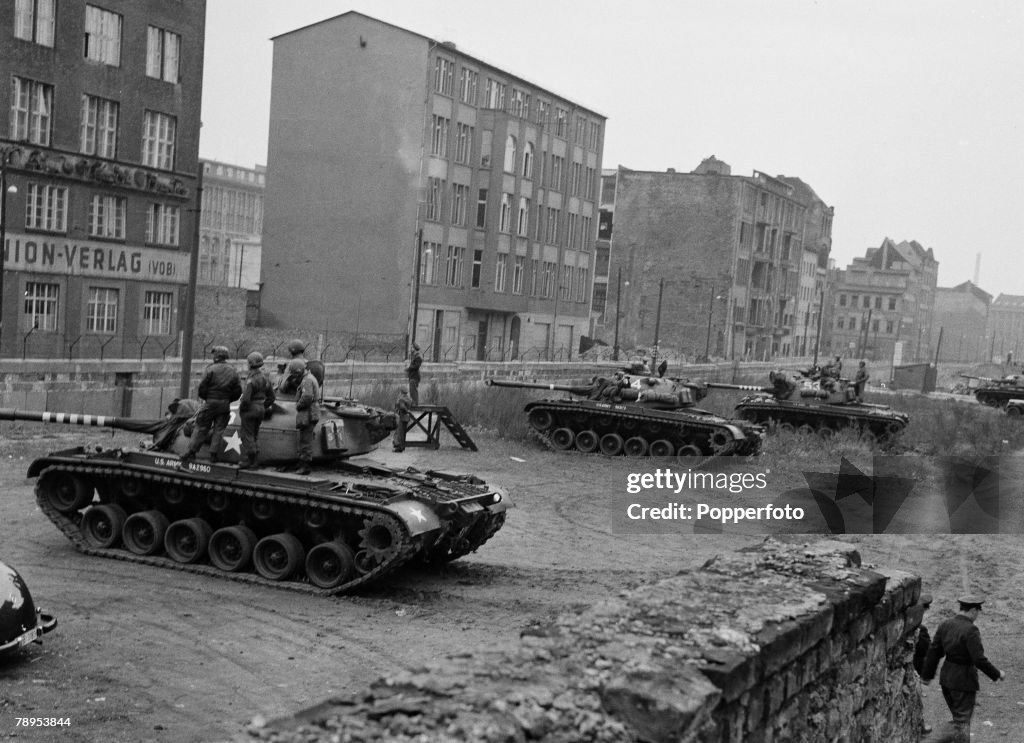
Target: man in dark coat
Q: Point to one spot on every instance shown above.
(256, 402)
(297, 350)
(307, 410)
(403, 408)
(412, 372)
(219, 387)
(860, 380)
(959, 640)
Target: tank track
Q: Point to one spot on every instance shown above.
(689, 433)
(882, 423)
(106, 478)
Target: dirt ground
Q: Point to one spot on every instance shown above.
(142, 654)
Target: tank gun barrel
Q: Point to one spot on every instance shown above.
(576, 390)
(746, 387)
(81, 419)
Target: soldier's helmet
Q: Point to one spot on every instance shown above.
(296, 347)
(296, 366)
(255, 360)
(221, 353)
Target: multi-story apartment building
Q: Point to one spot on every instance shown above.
(231, 226)
(1006, 326)
(415, 188)
(100, 155)
(883, 304)
(961, 316)
(735, 263)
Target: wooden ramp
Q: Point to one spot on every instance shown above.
(428, 419)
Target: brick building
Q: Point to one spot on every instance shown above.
(883, 301)
(739, 262)
(1006, 326)
(961, 313)
(423, 182)
(100, 157)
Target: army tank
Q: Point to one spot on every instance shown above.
(346, 525)
(635, 416)
(811, 403)
(997, 392)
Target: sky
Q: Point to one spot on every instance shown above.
(904, 115)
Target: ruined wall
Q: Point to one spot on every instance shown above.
(792, 643)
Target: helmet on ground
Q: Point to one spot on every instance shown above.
(20, 621)
(296, 366)
(221, 353)
(296, 347)
(255, 360)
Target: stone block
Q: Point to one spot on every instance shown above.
(732, 672)
(659, 706)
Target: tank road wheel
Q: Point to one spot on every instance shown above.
(662, 448)
(635, 446)
(562, 438)
(895, 428)
(1013, 411)
(805, 429)
(541, 419)
(587, 441)
(65, 492)
(186, 540)
(611, 444)
(377, 544)
(787, 427)
(867, 436)
(101, 525)
(330, 564)
(720, 442)
(143, 532)
(749, 415)
(990, 401)
(130, 487)
(263, 510)
(231, 548)
(315, 518)
(825, 432)
(278, 556)
(689, 450)
(218, 501)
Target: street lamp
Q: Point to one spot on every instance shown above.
(4, 190)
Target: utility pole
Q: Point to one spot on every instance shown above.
(657, 325)
(416, 289)
(618, 314)
(188, 331)
(711, 309)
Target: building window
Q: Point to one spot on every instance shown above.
(523, 223)
(505, 219)
(842, 300)
(520, 103)
(565, 288)
(444, 75)
(101, 310)
(561, 122)
(548, 289)
(429, 257)
(33, 21)
(878, 303)
(501, 268)
(156, 313)
(162, 224)
(853, 323)
(439, 138)
(528, 160)
(102, 35)
(478, 260)
(31, 111)
(467, 86)
(486, 140)
(481, 208)
(460, 195)
(557, 169)
(453, 269)
(158, 140)
(587, 232)
(583, 276)
(867, 301)
(98, 129)
(595, 135)
(46, 208)
(518, 269)
(162, 52)
(510, 154)
(494, 95)
(551, 229)
(463, 142)
(575, 179)
(570, 230)
(435, 195)
(581, 129)
(534, 275)
(840, 323)
(888, 326)
(892, 303)
(41, 305)
(106, 216)
(874, 325)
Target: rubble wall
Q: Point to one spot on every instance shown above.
(794, 643)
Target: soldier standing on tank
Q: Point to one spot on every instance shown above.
(307, 410)
(219, 387)
(403, 412)
(255, 404)
(860, 380)
(297, 350)
(412, 372)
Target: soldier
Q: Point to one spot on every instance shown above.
(255, 404)
(783, 386)
(403, 408)
(833, 369)
(860, 380)
(412, 372)
(297, 349)
(219, 388)
(307, 410)
(959, 640)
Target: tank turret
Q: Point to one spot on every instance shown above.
(815, 403)
(996, 392)
(635, 416)
(344, 526)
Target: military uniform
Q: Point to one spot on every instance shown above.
(257, 399)
(317, 368)
(219, 387)
(412, 372)
(307, 413)
(403, 407)
(860, 380)
(959, 641)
